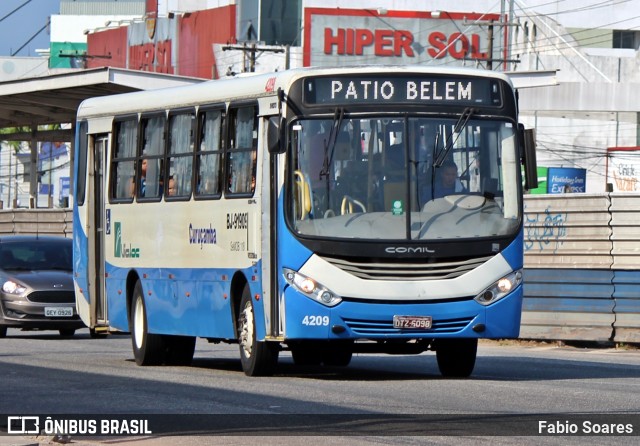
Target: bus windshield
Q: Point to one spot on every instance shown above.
(404, 178)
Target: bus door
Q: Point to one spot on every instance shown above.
(96, 273)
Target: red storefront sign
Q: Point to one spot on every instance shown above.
(361, 36)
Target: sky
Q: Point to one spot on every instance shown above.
(20, 27)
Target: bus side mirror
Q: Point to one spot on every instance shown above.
(275, 135)
(528, 138)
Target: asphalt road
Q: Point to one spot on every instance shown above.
(382, 399)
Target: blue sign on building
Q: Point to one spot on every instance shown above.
(561, 180)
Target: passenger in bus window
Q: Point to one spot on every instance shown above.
(172, 186)
(446, 183)
(143, 178)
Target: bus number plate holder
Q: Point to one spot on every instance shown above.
(412, 322)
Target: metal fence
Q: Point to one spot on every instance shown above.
(582, 263)
(582, 275)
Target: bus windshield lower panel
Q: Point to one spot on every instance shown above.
(414, 178)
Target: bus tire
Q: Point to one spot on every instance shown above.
(456, 357)
(306, 353)
(258, 358)
(148, 349)
(3, 331)
(180, 349)
(337, 353)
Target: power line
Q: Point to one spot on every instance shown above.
(18, 8)
(32, 37)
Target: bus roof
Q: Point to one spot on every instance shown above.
(247, 86)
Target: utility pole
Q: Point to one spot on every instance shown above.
(490, 37)
(251, 50)
(490, 49)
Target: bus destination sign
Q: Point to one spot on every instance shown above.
(345, 90)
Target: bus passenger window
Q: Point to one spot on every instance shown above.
(126, 140)
(209, 155)
(242, 151)
(151, 162)
(180, 158)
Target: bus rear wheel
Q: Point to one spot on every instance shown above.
(456, 357)
(258, 358)
(148, 349)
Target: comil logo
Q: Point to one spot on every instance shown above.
(23, 425)
(121, 249)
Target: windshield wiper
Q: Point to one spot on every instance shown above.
(467, 113)
(330, 142)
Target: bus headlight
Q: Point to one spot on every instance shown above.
(311, 288)
(500, 288)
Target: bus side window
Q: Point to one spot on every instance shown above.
(209, 154)
(150, 175)
(180, 157)
(124, 155)
(243, 143)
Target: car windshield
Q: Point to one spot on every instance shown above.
(36, 255)
(413, 178)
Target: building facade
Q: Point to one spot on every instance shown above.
(589, 122)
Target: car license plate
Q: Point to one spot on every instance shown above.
(412, 322)
(58, 311)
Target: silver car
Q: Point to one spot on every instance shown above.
(36, 284)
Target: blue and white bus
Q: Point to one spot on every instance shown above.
(300, 211)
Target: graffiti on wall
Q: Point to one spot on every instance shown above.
(544, 231)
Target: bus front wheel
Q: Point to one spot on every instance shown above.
(258, 358)
(148, 349)
(456, 357)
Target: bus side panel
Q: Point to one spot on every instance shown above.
(179, 301)
(80, 259)
(116, 294)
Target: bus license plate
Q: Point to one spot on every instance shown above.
(412, 322)
(58, 311)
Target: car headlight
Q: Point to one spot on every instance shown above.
(311, 288)
(11, 287)
(500, 288)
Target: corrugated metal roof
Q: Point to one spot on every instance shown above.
(102, 7)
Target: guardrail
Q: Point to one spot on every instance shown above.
(582, 263)
(36, 221)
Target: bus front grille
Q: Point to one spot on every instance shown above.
(378, 270)
(376, 328)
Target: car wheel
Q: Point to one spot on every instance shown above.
(148, 349)
(258, 358)
(456, 357)
(180, 349)
(3, 331)
(67, 332)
